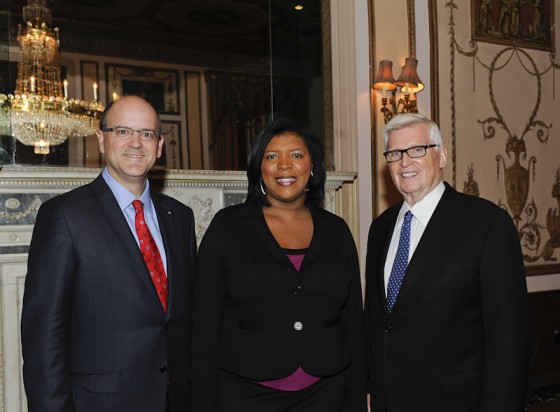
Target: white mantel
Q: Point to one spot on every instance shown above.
(24, 189)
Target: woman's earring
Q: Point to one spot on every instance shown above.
(262, 188)
(307, 188)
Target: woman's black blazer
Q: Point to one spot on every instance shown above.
(255, 316)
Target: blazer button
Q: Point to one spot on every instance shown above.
(163, 369)
(298, 326)
(297, 290)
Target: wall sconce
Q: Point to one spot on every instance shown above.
(408, 82)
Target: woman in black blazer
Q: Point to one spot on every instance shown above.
(277, 318)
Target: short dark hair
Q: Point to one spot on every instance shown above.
(103, 118)
(316, 184)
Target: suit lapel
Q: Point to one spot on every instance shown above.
(259, 232)
(256, 223)
(322, 235)
(392, 220)
(109, 209)
(435, 235)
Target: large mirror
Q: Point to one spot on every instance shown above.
(216, 70)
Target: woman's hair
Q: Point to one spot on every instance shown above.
(316, 184)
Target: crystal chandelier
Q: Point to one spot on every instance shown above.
(39, 113)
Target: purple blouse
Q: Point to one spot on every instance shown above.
(300, 379)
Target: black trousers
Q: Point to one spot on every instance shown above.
(167, 402)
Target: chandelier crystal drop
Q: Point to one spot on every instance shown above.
(39, 113)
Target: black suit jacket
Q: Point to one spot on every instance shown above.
(248, 296)
(456, 339)
(94, 335)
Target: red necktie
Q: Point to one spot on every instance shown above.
(151, 254)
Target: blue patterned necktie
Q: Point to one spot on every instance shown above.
(400, 263)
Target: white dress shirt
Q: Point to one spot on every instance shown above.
(422, 212)
(125, 199)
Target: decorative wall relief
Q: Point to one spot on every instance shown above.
(470, 187)
(501, 82)
(553, 223)
(18, 209)
(23, 190)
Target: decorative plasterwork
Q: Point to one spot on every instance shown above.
(23, 190)
(524, 123)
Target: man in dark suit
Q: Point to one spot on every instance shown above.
(105, 323)
(446, 299)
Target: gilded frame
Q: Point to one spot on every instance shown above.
(159, 86)
(172, 153)
(528, 24)
(375, 169)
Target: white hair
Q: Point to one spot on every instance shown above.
(408, 119)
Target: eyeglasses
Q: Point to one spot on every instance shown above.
(413, 152)
(125, 132)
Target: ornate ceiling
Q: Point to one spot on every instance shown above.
(218, 33)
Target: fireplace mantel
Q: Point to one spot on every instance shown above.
(24, 189)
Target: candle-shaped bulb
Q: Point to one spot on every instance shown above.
(65, 83)
(32, 84)
(115, 96)
(95, 91)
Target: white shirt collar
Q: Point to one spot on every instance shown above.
(123, 196)
(424, 209)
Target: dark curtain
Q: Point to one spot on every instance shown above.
(239, 105)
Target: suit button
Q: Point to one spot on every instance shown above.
(298, 326)
(163, 369)
(297, 290)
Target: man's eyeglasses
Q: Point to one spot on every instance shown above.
(413, 152)
(125, 132)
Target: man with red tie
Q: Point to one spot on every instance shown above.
(105, 323)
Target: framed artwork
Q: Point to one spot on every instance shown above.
(172, 153)
(522, 23)
(157, 86)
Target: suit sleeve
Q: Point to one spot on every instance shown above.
(47, 302)
(208, 297)
(505, 317)
(355, 337)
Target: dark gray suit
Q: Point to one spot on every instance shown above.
(456, 339)
(94, 335)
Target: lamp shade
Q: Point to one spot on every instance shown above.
(385, 79)
(412, 89)
(409, 76)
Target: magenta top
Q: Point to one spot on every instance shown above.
(300, 379)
